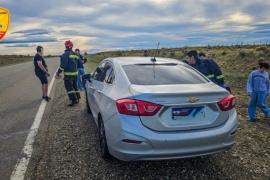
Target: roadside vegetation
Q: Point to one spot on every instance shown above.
(6, 60)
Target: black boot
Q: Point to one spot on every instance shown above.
(46, 98)
(73, 102)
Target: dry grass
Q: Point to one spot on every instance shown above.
(14, 59)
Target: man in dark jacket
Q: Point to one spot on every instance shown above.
(208, 67)
(69, 64)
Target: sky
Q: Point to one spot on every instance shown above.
(108, 25)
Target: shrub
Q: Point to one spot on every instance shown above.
(118, 53)
(261, 59)
(242, 54)
(163, 54)
(172, 54)
(261, 48)
(212, 55)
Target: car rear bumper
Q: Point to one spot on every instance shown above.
(165, 145)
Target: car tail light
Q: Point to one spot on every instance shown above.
(227, 103)
(127, 106)
(137, 107)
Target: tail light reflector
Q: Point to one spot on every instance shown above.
(131, 141)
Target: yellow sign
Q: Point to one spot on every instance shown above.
(4, 22)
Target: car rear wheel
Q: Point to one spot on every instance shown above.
(102, 140)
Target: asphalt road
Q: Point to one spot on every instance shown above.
(20, 98)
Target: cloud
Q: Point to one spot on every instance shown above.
(20, 45)
(31, 32)
(34, 40)
(105, 25)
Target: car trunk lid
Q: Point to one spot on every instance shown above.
(184, 107)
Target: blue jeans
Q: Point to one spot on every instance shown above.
(80, 73)
(258, 98)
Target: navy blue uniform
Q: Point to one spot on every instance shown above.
(69, 64)
(210, 69)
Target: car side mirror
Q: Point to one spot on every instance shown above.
(85, 78)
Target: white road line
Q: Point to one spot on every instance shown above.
(21, 166)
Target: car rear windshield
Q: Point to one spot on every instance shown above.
(162, 74)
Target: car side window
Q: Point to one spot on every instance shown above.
(98, 71)
(107, 74)
(110, 76)
(104, 72)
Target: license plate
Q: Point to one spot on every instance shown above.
(179, 113)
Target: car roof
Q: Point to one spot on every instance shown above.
(139, 60)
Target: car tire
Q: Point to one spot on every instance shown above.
(87, 104)
(102, 140)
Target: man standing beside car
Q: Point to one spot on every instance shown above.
(41, 71)
(207, 67)
(69, 64)
(81, 72)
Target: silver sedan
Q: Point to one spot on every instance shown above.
(158, 108)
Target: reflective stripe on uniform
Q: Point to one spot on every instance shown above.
(71, 73)
(73, 56)
(220, 76)
(210, 76)
(70, 92)
(61, 68)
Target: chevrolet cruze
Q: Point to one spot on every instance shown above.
(158, 108)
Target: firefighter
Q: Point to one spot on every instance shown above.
(207, 67)
(69, 64)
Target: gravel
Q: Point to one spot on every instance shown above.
(67, 147)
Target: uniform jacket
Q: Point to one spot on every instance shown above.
(69, 63)
(210, 69)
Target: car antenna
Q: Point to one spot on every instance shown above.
(154, 58)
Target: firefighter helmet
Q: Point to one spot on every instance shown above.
(69, 44)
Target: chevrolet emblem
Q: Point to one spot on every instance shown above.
(192, 100)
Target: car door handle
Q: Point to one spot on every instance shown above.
(99, 91)
(91, 87)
